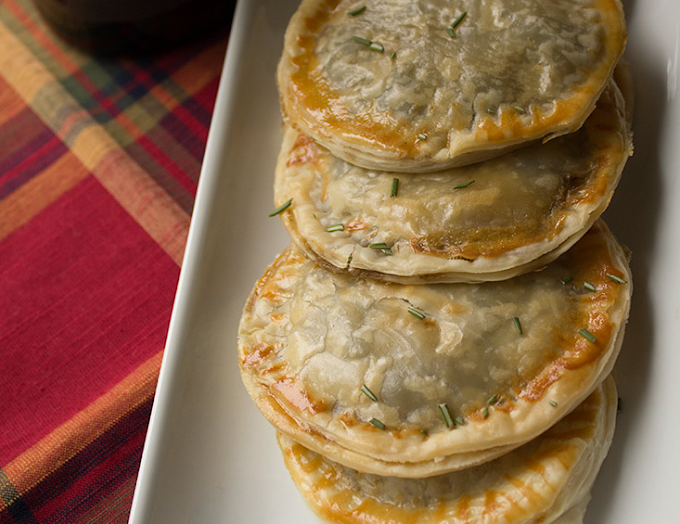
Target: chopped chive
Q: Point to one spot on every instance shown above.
(616, 279)
(520, 110)
(459, 421)
(349, 259)
(589, 286)
(393, 55)
(395, 187)
(313, 215)
(518, 325)
(281, 208)
(424, 432)
(375, 46)
(446, 415)
(335, 227)
(362, 40)
(451, 32)
(416, 313)
(553, 403)
(458, 20)
(464, 185)
(357, 11)
(492, 400)
(485, 412)
(377, 424)
(587, 334)
(491, 110)
(567, 279)
(422, 136)
(368, 393)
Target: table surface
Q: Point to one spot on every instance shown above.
(99, 163)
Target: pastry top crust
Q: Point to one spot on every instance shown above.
(487, 221)
(517, 70)
(549, 478)
(448, 371)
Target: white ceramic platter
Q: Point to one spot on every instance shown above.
(210, 457)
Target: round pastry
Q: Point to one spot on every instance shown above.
(547, 480)
(415, 381)
(406, 85)
(487, 221)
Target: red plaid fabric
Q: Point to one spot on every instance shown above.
(99, 162)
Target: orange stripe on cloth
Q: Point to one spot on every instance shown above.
(153, 209)
(29, 199)
(47, 455)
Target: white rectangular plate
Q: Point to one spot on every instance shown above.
(210, 457)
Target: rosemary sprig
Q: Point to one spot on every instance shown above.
(416, 313)
(446, 415)
(368, 393)
(587, 334)
(395, 187)
(616, 279)
(463, 185)
(377, 424)
(518, 325)
(281, 208)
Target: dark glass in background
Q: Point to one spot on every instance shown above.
(134, 26)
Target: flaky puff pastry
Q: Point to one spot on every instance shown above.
(397, 88)
(547, 480)
(415, 381)
(487, 221)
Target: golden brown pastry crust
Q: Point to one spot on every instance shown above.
(487, 221)
(310, 339)
(547, 480)
(516, 71)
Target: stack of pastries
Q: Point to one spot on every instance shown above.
(436, 344)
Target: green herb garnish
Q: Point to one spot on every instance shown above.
(616, 279)
(520, 110)
(446, 415)
(393, 55)
(373, 46)
(464, 185)
(424, 432)
(491, 110)
(362, 41)
(589, 286)
(492, 400)
(377, 424)
(567, 279)
(518, 325)
(395, 187)
(459, 421)
(368, 393)
(451, 32)
(422, 136)
(485, 412)
(416, 313)
(382, 247)
(357, 11)
(281, 208)
(553, 403)
(458, 20)
(335, 227)
(587, 334)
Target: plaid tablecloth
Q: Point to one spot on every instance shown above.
(99, 162)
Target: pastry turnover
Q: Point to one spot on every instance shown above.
(408, 85)
(414, 381)
(486, 221)
(547, 480)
